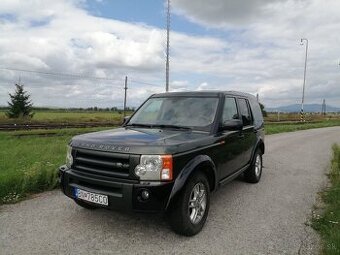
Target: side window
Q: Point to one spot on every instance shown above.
(229, 109)
(245, 113)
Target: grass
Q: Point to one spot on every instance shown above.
(275, 128)
(328, 223)
(29, 161)
(64, 116)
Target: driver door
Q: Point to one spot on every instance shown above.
(232, 149)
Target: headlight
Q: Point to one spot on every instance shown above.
(69, 158)
(155, 168)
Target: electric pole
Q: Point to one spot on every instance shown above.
(304, 80)
(125, 88)
(167, 67)
(323, 110)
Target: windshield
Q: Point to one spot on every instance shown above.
(192, 112)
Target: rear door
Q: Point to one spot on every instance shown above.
(248, 131)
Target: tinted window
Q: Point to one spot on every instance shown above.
(257, 113)
(229, 109)
(244, 111)
(194, 112)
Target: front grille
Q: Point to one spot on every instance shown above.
(106, 164)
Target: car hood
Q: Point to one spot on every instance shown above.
(142, 140)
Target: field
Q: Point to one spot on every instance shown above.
(62, 116)
(280, 127)
(29, 159)
(328, 223)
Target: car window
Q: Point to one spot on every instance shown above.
(244, 111)
(229, 109)
(151, 110)
(193, 112)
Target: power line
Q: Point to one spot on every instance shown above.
(60, 74)
(73, 75)
(142, 82)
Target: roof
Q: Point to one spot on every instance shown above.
(209, 93)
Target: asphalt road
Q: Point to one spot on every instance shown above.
(264, 218)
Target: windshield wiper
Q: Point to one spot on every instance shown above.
(171, 126)
(139, 125)
(157, 126)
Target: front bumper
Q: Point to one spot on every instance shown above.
(123, 194)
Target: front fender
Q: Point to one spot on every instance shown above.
(190, 167)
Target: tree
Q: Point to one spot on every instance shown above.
(20, 105)
(264, 113)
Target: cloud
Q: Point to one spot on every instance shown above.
(223, 12)
(263, 53)
(251, 46)
(62, 37)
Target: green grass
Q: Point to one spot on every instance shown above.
(275, 128)
(63, 116)
(29, 161)
(328, 223)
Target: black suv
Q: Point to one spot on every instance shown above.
(168, 156)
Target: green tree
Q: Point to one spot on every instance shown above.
(20, 105)
(264, 113)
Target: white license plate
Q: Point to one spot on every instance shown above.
(91, 197)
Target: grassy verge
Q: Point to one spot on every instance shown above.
(29, 160)
(67, 117)
(275, 128)
(328, 223)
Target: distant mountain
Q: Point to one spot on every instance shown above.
(307, 108)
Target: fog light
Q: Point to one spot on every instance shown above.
(145, 194)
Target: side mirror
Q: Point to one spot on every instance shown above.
(125, 120)
(232, 125)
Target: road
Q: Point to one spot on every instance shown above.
(264, 218)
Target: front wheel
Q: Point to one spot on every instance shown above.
(254, 172)
(190, 210)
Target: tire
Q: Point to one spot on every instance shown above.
(188, 218)
(254, 172)
(85, 205)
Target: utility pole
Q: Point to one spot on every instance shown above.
(302, 117)
(125, 88)
(167, 65)
(323, 110)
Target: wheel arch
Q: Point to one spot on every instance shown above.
(201, 163)
(261, 146)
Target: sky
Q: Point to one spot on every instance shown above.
(251, 46)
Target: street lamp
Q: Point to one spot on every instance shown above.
(304, 79)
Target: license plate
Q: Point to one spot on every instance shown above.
(91, 197)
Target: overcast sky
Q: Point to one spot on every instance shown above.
(252, 46)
